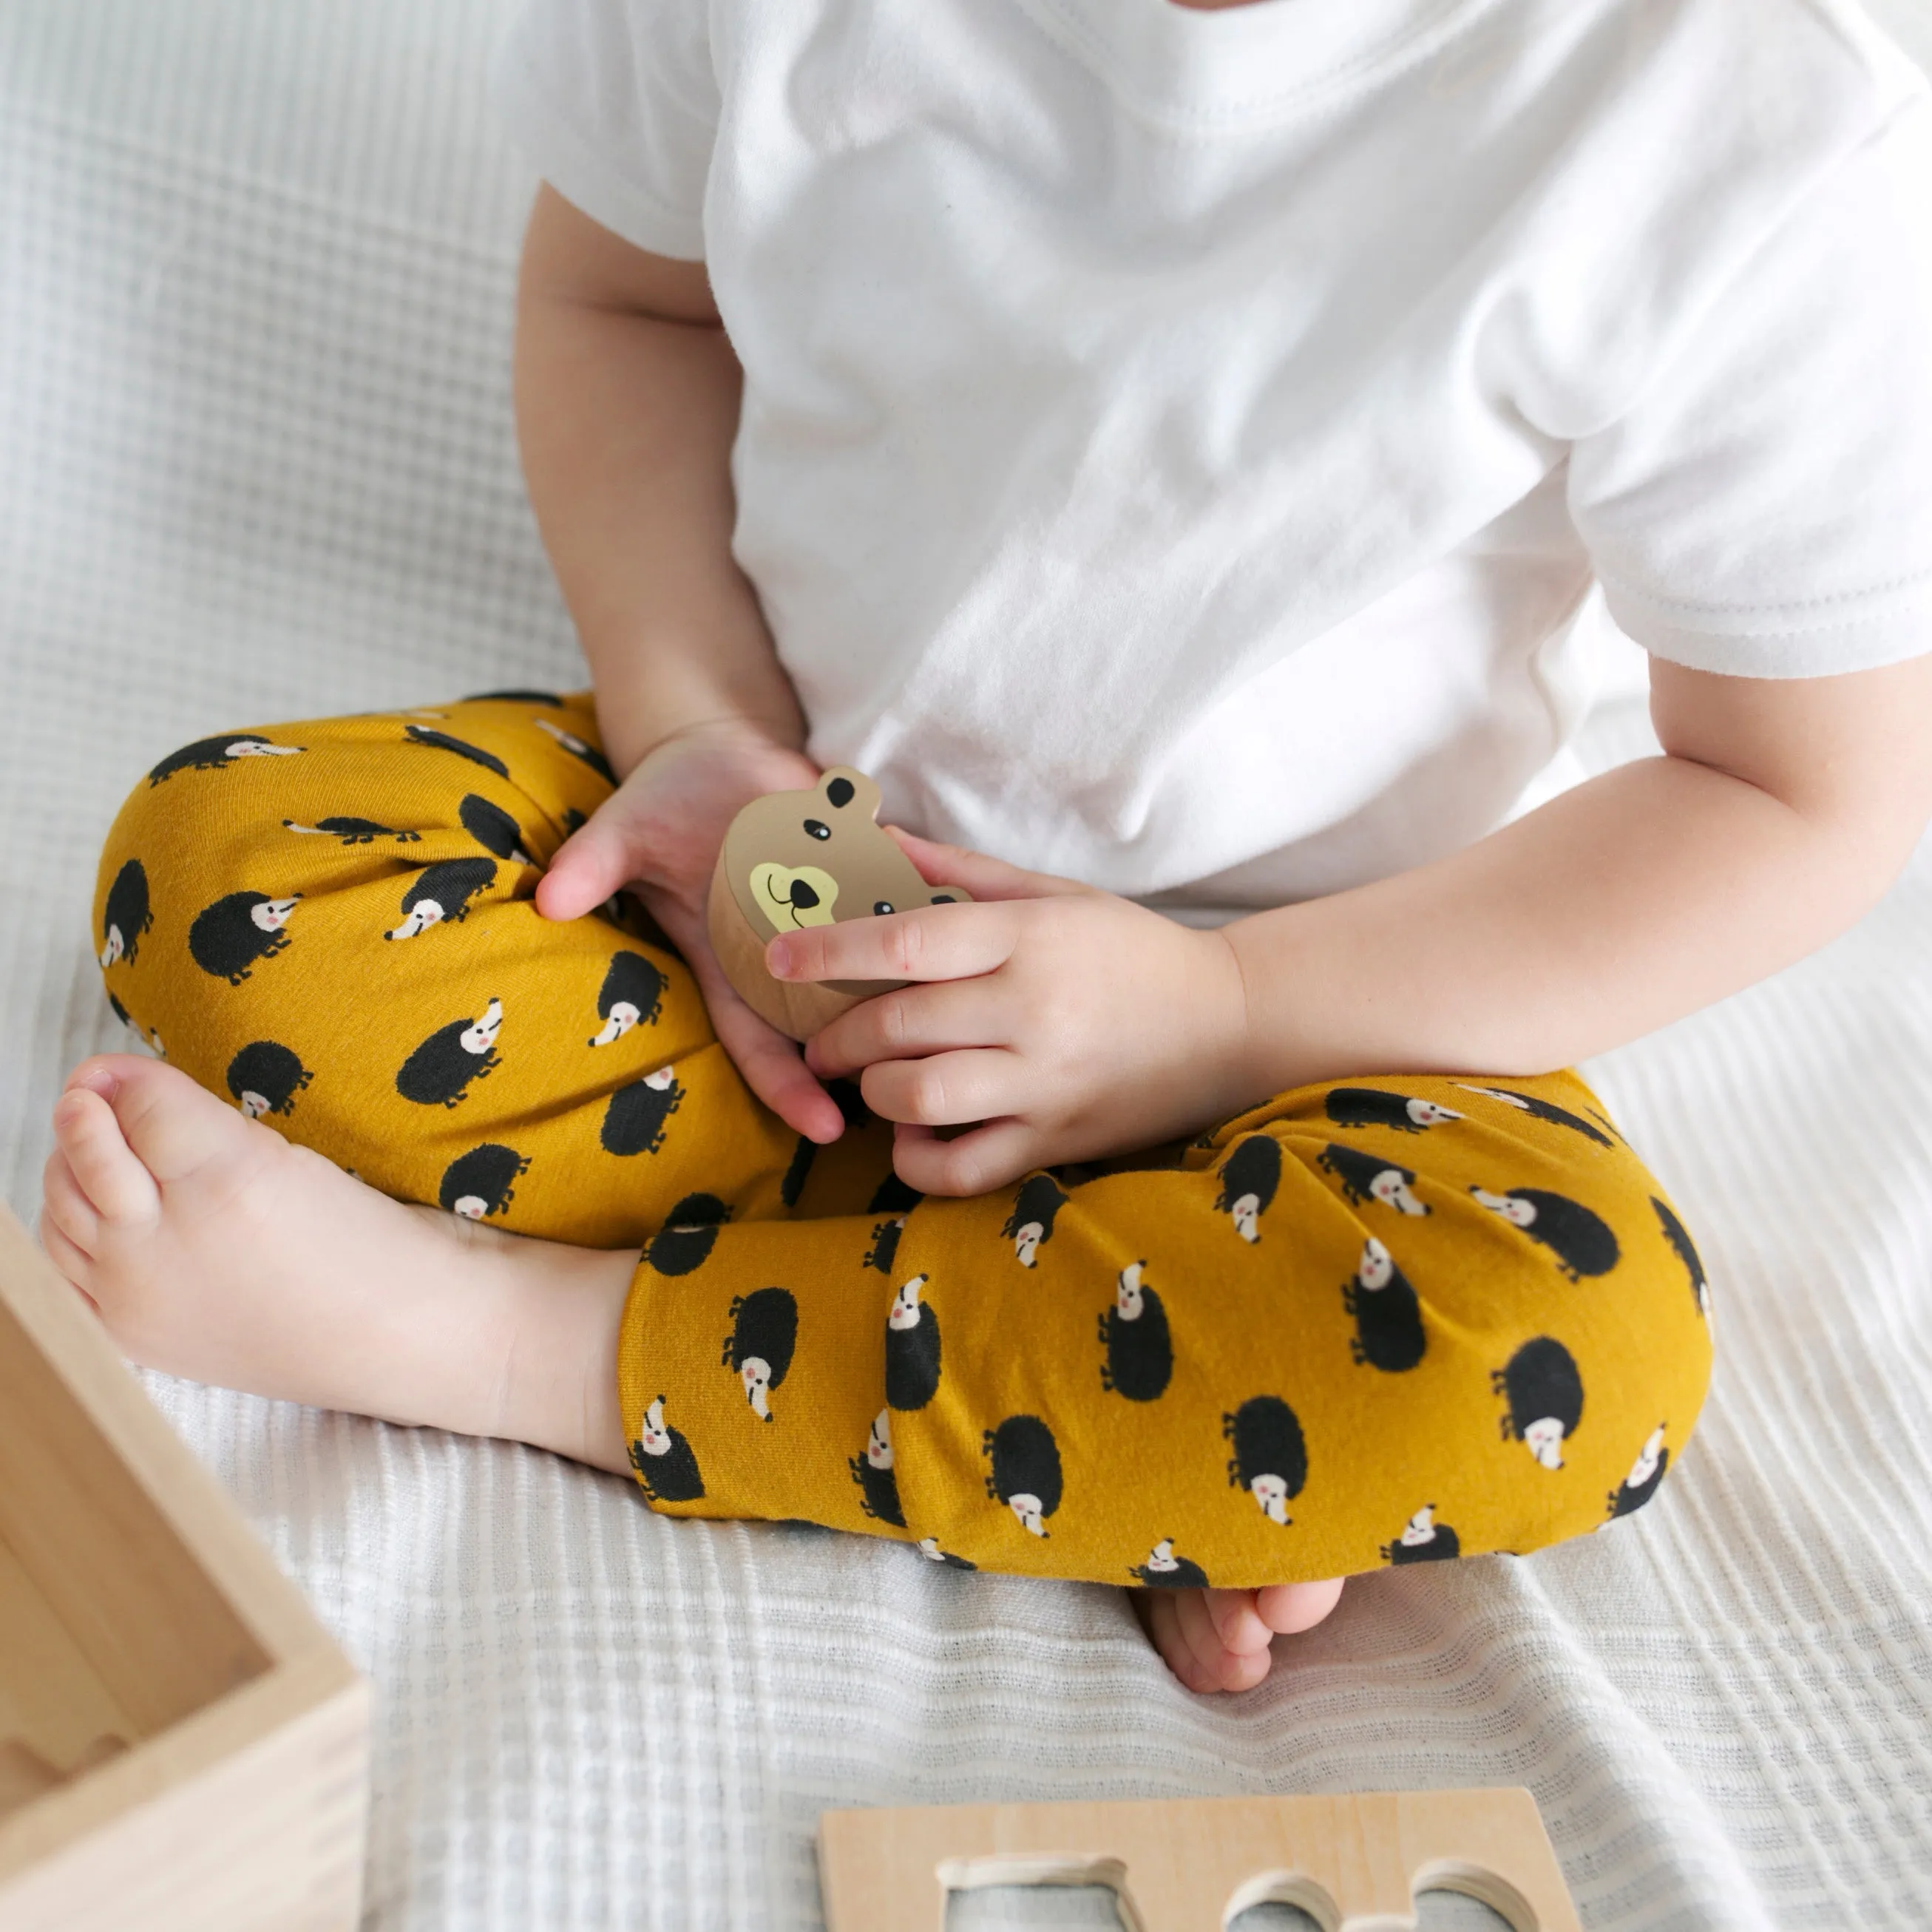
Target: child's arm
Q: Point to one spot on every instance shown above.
(1781, 812)
(627, 402)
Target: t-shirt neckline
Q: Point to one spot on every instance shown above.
(1224, 66)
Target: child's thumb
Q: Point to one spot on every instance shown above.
(589, 866)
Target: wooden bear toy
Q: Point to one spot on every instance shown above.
(795, 859)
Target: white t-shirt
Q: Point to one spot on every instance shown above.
(1177, 447)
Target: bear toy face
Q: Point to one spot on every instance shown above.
(797, 858)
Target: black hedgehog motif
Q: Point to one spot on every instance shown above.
(265, 1078)
(1579, 1240)
(1386, 1310)
(1249, 1179)
(439, 1070)
(1025, 1473)
(229, 938)
(1164, 1570)
(798, 1172)
(1270, 1458)
(1373, 1107)
(211, 755)
(1679, 1236)
(585, 754)
(885, 1244)
(633, 1119)
(1542, 1110)
(663, 1460)
(912, 1348)
(846, 1096)
(1134, 1332)
(893, 1196)
(549, 698)
(493, 828)
(121, 1013)
(764, 1331)
(1423, 1540)
(1368, 1177)
(878, 1480)
(352, 831)
(689, 1232)
(441, 741)
(1030, 1226)
(126, 916)
(1544, 1395)
(629, 997)
(482, 1182)
(1640, 1485)
(441, 893)
(928, 1548)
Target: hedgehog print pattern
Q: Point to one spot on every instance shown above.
(482, 1182)
(912, 1348)
(438, 1073)
(893, 1196)
(1544, 1395)
(585, 754)
(441, 893)
(878, 1480)
(1164, 1570)
(798, 1171)
(1423, 1540)
(1371, 1107)
(265, 1078)
(764, 1331)
(352, 831)
(885, 1247)
(633, 1119)
(1249, 1179)
(928, 1548)
(126, 916)
(689, 1233)
(549, 698)
(1271, 1457)
(1646, 1472)
(1134, 1332)
(629, 997)
(1367, 1176)
(1030, 1226)
(1539, 1109)
(228, 939)
(663, 1459)
(1685, 1249)
(493, 828)
(1579, 1240)
(1025, 1473)
(1386, 1311)
(214, 755)
(441, 741)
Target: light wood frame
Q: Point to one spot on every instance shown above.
(198, 1744)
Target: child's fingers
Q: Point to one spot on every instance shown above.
(984, 876)
(949, 942)
(975, 1163)
(948, 1090)
(769, 1062)
(589, 866)
(938, 1017)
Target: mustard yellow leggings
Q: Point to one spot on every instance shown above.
(1385, 1321)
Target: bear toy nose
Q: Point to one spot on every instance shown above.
(803, 896)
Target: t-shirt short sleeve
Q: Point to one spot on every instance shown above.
(615, 102)
(1765, 507)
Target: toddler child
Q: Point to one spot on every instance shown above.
(1176, 449)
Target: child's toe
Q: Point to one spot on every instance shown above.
(117, 1187)
(169, 1126)
(1287, 1608)
(64, 1205)
(1237, 1622)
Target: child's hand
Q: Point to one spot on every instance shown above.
(1070, 1023)
(659, 833)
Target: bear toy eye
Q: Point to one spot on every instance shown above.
(943, 898)
(817, 829)
(838, 793)
(882, 905)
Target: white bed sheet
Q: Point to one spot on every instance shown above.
(256, 462)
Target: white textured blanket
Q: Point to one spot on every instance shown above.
(255, 462)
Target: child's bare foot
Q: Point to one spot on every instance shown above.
(1218, 1639)
(214, 1249)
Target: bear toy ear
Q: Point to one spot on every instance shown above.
(847, 790)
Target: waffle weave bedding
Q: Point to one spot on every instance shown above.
(256, 462)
